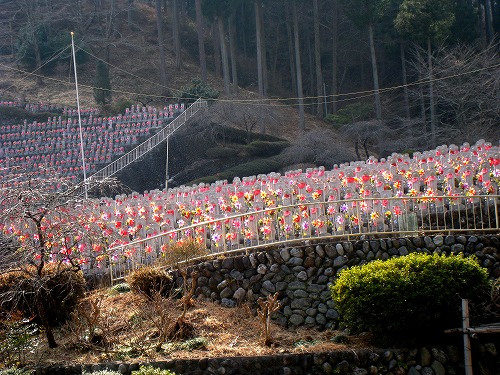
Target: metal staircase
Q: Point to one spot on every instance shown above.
(148, 144)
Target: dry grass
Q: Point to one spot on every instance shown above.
(131, 336)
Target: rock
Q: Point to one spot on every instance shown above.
(311, 311)
(438, 240)
(342, 367)
(253, 260)
(329, 272)
(297, 252)
(302, 276)
(262, 269)
(240, 294)
(301, 303)
(320, 319)
(236, 275)
(457, 248)
(269, 286)
(429, 244)
(438, 368)
(315, 288)
(300, 294)
(340, 249)
(387, 355)
(332, 314)
(360, 371)
(425, 357)
(228, 263)
(295, 261)
(439, 355)
(226, 302)
(327, 368)
(403, 251)
(295, 285)
(413, 371)
(309, 321)
(331, 251)
(296, 320)
(320, 252)
(322, 279)
(226, 293)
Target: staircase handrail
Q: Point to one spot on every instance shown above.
(150, 143)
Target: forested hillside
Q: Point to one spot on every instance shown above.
(385, 75)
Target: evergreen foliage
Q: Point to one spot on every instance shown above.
(197, 89)
(412, 296)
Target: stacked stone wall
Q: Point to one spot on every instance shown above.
(302, 274)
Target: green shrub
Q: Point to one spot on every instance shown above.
(412, 296)
(266, 148)
(198, 89)
(352, 113)
(14, 371)
(188, 345)
(16, 341)
(150, 370)
(221, 153)
(253, 167)
(119, 288)
(60, 286)
(150, 280)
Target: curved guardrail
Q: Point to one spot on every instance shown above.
(343, 219)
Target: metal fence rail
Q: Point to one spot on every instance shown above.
(148, 144)
(345, 219)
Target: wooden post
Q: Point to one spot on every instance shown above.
(465, 328)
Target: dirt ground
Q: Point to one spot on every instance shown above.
(128, 327)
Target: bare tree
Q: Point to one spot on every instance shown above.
(466, 90)
(53, 228)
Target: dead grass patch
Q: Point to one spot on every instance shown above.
(226, 332)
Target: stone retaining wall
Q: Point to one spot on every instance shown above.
(302, 274)
(423, 361)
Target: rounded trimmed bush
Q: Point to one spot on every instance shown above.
(61, 288)
(408, 296)
(150, 280)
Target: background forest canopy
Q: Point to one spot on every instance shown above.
(388, 75)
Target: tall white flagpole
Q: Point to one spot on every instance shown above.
(79, 117)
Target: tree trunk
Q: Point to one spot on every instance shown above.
(317, 58)
(335, 60)
(161, 48)
(232, 51)
(291, 52)
(201, 42)
(38, 59)
(224, 57)
(376, 87)
(488, 13)
(175, 35)
(216, 42)
(42, 314)
(265, 78)
(405, 80)
(300, 94)
(431, 95)
(260, 79)
(130, 13)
